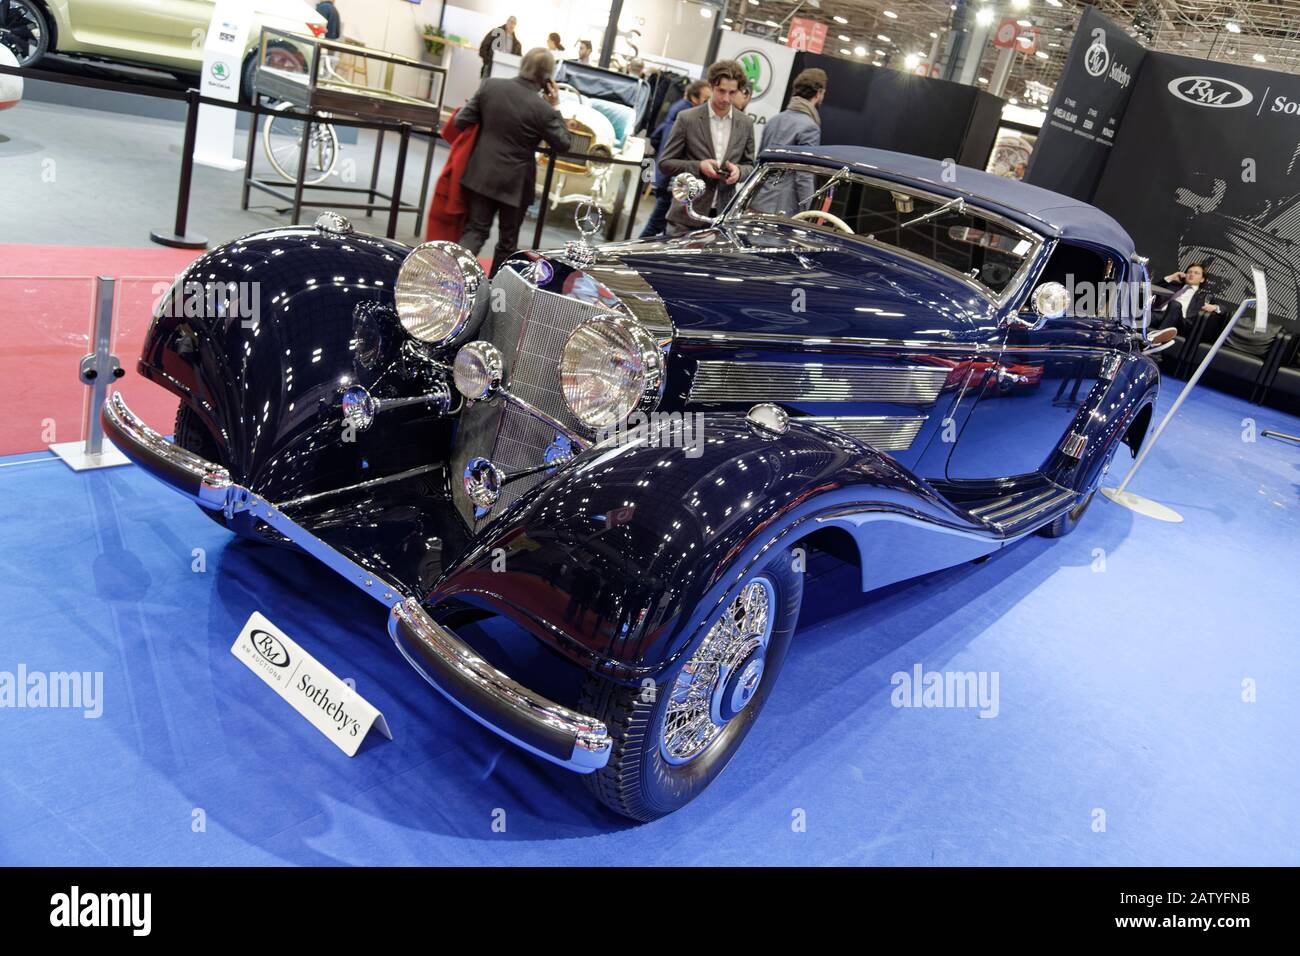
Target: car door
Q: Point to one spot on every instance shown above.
(1045, 373)
(164, 33)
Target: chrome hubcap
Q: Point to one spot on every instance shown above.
(722, 676)
(21, 32)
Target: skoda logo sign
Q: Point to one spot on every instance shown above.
(269, 646)
(1210, 91)
(758, 68)
(219, 71)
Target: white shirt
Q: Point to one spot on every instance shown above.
(720, 129)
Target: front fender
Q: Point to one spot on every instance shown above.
(283, 320)
(619, 559)
(1108, 418)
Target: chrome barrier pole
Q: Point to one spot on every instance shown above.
(180, 237)
(98, 370)
(546, 198)
(1154, 509)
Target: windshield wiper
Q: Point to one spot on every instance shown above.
(829, 184)
(957, 205)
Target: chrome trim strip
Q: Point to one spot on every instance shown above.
(732, 381)
(360, 486)
(1074, 444)
(882, 432)
(467, 680)
(464, 676)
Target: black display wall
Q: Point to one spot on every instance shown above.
(1207, 167)
(887, 109)
(1088, 103)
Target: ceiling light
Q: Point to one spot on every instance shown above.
(984, 80)
(1013, 101)
(876, 63)
(1040, 54)
(1055, 3)
(891, 14)
(1024, 23)
(839, 20)
(933, 35)
(772, 23)
(1260, 58)
(706, 12)
(1019, 4)
(911, 61)
(859, 51)
(846, 52)
(1232, 27)
(984, 17)
(883, 39)
(845, 39)
(881, 53)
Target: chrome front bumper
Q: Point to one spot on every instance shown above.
(528, 719)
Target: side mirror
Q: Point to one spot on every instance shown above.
(686, 189)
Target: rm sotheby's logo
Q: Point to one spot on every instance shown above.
(269, 646)
(75, 908)
(1212, 91)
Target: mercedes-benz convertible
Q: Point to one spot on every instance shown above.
(628, 451)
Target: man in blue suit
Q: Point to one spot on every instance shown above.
(658, 221)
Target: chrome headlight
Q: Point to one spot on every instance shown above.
(1051, 300)
(610, 367)
(441, 293)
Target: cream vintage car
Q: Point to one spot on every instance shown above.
(167, 34)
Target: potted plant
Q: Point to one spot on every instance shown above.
(434, 40)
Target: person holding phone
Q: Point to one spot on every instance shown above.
(714, 141)
(499, 180)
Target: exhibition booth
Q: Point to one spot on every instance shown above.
(335, 535)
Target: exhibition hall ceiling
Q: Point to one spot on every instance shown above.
(1265, 34)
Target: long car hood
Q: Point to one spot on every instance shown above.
(776, 278)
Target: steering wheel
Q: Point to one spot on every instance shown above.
(831, 218)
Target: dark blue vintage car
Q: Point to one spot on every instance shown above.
(628, 451)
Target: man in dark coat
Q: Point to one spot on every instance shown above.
(498, 38)
(694, 96)
(513, 115)
(714, 141)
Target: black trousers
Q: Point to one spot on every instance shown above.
(478, 223)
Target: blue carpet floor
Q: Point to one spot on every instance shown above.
(1123, 655)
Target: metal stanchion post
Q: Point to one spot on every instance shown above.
(98, 370)
(636, 200)
(1154, 509)
(404, 143)
(179, 238)
(546, 198)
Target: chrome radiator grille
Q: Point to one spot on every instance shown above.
(530, 328)
(726, 381)
(882, 432)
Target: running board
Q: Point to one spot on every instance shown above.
(1016, 510)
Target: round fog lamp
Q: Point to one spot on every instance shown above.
(477, 370)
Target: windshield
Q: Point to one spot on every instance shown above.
(955, 236)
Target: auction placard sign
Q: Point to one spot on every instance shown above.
(1086, 108)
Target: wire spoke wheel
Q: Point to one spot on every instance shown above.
(23, 32)
(722, 675)
(282, 142)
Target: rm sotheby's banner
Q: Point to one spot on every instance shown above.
(1207, 169)
(1086, 108)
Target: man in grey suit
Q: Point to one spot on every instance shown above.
(513, 116)
(714, 141)
(799, 124)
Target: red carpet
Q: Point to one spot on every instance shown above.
(47, 296)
